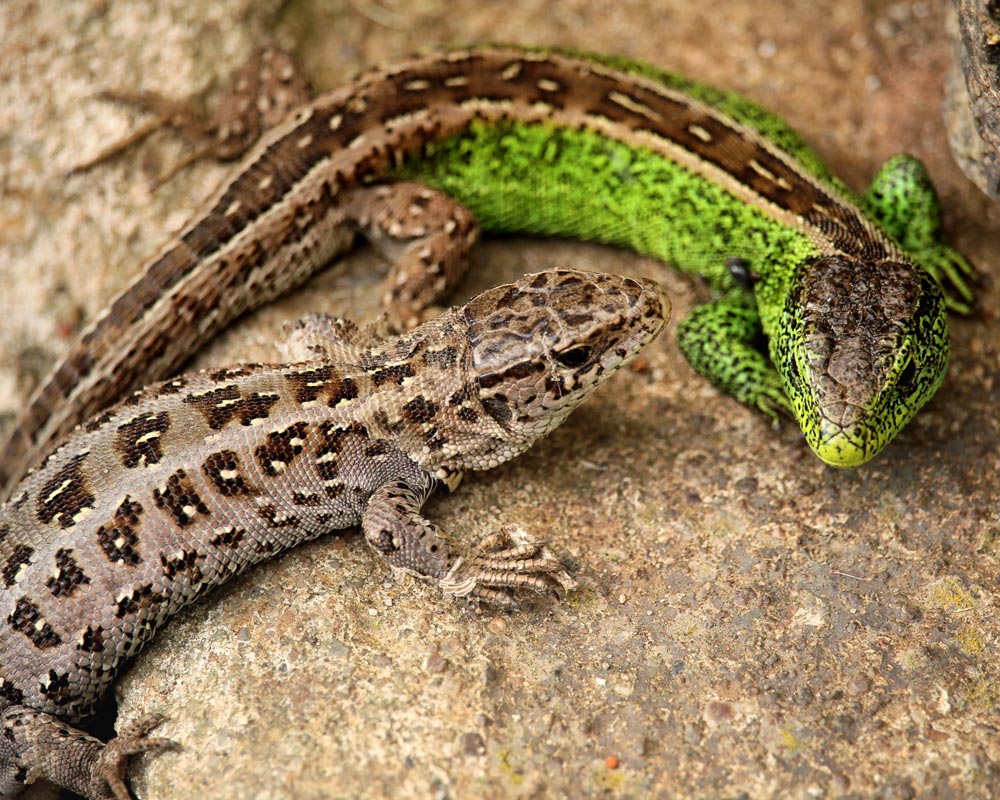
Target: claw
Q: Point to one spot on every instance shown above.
(132, 739)
(505, 561)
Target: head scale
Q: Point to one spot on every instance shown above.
(862, 345)
(540, 345)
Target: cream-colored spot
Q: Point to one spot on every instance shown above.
(57, 491)
(764, 172)
(700, 133)
(512, 71)
(335, 121)
(547, 85)
(635, 106)
(417, 85)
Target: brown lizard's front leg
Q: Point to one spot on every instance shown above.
(394, 527)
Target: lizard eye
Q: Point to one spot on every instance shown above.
(574, 357)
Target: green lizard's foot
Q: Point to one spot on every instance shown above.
(902, 198)
(955, 275)
(505, 561)
(719, 340)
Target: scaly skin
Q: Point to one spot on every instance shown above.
(852, 382)
(190, 482)
(583, 146)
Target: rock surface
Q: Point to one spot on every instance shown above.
(972, 99)
(749, 622)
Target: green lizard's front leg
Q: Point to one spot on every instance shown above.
(903, 199)
(722, 340)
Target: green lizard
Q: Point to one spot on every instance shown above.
(708, 181)
(849, 292)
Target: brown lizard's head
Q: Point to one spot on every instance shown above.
(542, 344)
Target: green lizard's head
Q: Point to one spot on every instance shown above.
(862, 345)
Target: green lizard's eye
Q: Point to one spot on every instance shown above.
(574, 357)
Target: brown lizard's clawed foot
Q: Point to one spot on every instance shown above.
(110, 765)
(503, 562)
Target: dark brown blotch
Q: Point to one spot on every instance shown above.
(138, 440)
(27, 619)
(142, 602)
(65, 495)
(9, 692)
(223, 470)
(230, 537)
(92, 640)
(281, 448)
(307, 499)
(420, 410)
(231, 373)
(379, 447)
(397, 373)
(172, 387)
(57, 688)
(69, 576)
(180, 498)
(334, 441)
(184, 566)
(276, 519)
(445, 358)
(19, 557)
(99, 421)
(221, 406)
(119, 537)
(307, 384)
(435, 439)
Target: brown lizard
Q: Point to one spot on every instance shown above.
(188, 482)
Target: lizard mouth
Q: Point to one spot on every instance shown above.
(846, 447)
